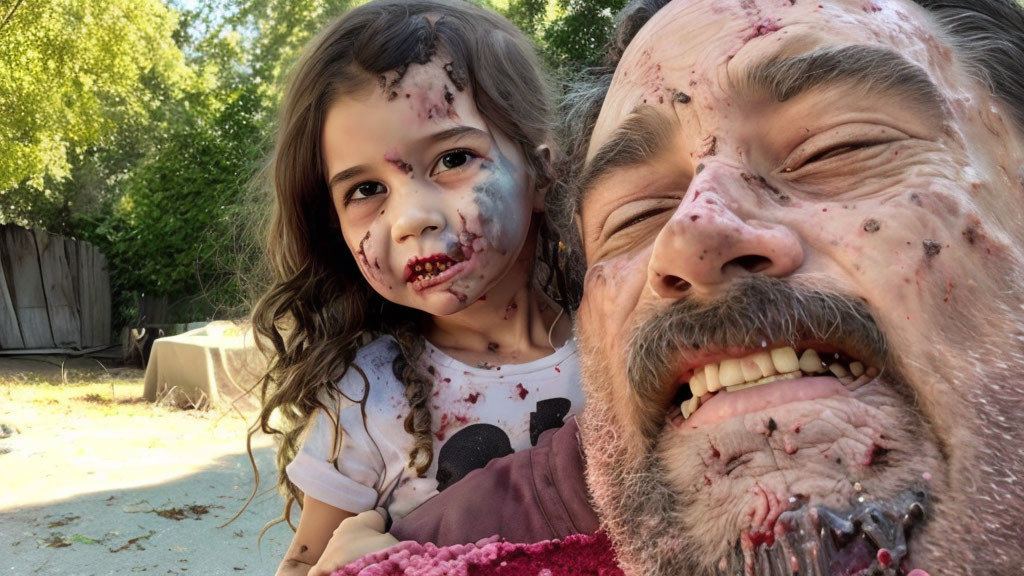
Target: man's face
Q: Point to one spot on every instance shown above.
(809, 215)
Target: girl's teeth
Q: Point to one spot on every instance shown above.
(441, 267)
(429, 267)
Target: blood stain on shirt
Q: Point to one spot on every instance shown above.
(521, 391)
(447, 421)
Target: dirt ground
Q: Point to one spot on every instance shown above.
(96, 481)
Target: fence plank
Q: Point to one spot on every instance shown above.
(93, 295)
(26, 284)
(65, 321)
(10, 332)
(101, 302)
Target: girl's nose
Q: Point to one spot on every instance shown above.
(419, 215)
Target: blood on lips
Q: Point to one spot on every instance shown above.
(422, 268)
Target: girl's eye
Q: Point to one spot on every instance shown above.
(452, 160)
(365, 190)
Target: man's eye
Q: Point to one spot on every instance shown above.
(451, 160)
(365, 190)
(837, 151)
(855, 142)
(636, 219)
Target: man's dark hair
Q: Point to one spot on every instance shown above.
(987, 35)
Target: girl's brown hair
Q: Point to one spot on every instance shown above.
(319, 310)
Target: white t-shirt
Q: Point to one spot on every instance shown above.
(477, 413)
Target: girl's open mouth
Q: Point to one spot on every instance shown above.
(426, 272)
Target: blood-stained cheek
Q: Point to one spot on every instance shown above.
(371, 262)
(920, 249)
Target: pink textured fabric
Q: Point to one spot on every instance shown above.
(576, 555)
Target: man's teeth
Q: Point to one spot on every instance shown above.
(764, 367)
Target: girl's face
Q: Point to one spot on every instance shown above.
(434, 204)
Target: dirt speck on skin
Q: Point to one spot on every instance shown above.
(871, 225)
(931, 248)
(971, 234)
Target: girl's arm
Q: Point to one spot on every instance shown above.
(355, 538)
(316, 525)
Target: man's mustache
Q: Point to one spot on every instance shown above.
(755, 312)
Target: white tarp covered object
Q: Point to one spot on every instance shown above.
(217, 364)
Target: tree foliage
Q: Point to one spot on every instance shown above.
(140, 126)
(71, 73)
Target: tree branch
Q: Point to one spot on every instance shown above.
(10, 13)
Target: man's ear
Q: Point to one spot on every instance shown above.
(545, 177)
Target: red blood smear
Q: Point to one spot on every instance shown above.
(472, 398)
(758, 538)
(557, 369)
(884, 558)
(522, 391)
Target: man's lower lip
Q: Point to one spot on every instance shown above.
(726, 405)
(452, 271)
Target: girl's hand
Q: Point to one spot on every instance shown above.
(354, 538)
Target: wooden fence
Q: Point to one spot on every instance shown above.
(54, 292)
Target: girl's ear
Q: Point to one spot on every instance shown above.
(545, 178)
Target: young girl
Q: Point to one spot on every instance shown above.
(411, 342)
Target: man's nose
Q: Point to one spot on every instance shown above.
(419, 214)
(714, 237)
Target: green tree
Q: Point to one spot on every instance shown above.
(71, 73)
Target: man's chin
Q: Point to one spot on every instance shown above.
(836, 485)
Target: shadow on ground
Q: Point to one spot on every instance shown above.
(168, 528)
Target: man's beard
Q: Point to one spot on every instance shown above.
(663, 520)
